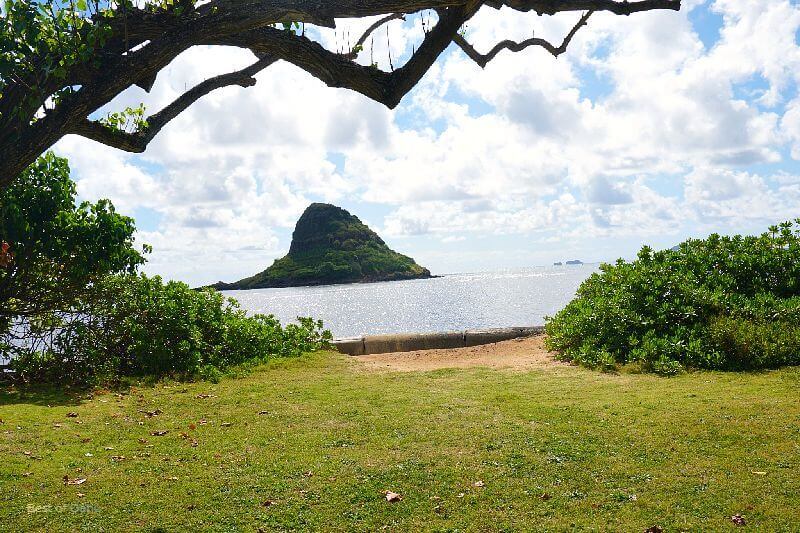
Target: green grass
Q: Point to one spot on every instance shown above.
(556, 449)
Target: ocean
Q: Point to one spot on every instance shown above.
(521, 297)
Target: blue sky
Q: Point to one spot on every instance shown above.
(651, 129)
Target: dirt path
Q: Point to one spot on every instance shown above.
(518, 354)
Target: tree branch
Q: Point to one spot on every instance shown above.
(484, 59)
(121, 56)
(364, 36)
(336, 70)
(230, 16)
(618, 7)
(138, 141)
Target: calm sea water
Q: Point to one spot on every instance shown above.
(453, 302)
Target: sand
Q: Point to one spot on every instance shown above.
(517, 354)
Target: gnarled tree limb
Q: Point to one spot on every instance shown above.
(551, 7)
(137, 141)
(138, 45)
(364, 36)
(484, 59)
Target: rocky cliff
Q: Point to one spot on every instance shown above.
(329, 245)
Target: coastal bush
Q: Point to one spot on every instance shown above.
(135, 325)
(728, 303)
(73, 309)
(54, 249)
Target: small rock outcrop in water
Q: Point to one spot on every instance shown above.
(329, 245)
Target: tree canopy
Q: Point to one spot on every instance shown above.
(53, 249)
(62, 60)
(74, 310)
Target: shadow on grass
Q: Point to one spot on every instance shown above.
(13, 392)
(45, 395)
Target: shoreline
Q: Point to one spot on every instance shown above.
(219, 286)
(411, 342)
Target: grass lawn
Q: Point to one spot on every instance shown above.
(312, 443)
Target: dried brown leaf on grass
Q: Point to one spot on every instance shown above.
(392, 497)
(738, 520)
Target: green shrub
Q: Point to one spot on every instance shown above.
(730, 303)
(72, 309)
(53, 248)
(752, 344)
(141, 326)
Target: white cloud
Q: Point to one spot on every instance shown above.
(721, 194)
(659, 146)
(790, 125)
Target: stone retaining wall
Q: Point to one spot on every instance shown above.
(409, 342)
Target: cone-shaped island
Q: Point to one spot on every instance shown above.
(331, 246)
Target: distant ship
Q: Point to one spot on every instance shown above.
(575, 262)
(557, 264)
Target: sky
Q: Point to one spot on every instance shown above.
(651, 129)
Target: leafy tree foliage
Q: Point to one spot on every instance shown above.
(134, 325)
(63, 60)
(729, 303)
(73, 309)
(55, 249)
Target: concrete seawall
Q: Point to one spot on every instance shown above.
(408, 342)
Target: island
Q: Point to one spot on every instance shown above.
(331, 246)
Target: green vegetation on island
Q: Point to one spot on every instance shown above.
(330, 246)
(725, 303)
